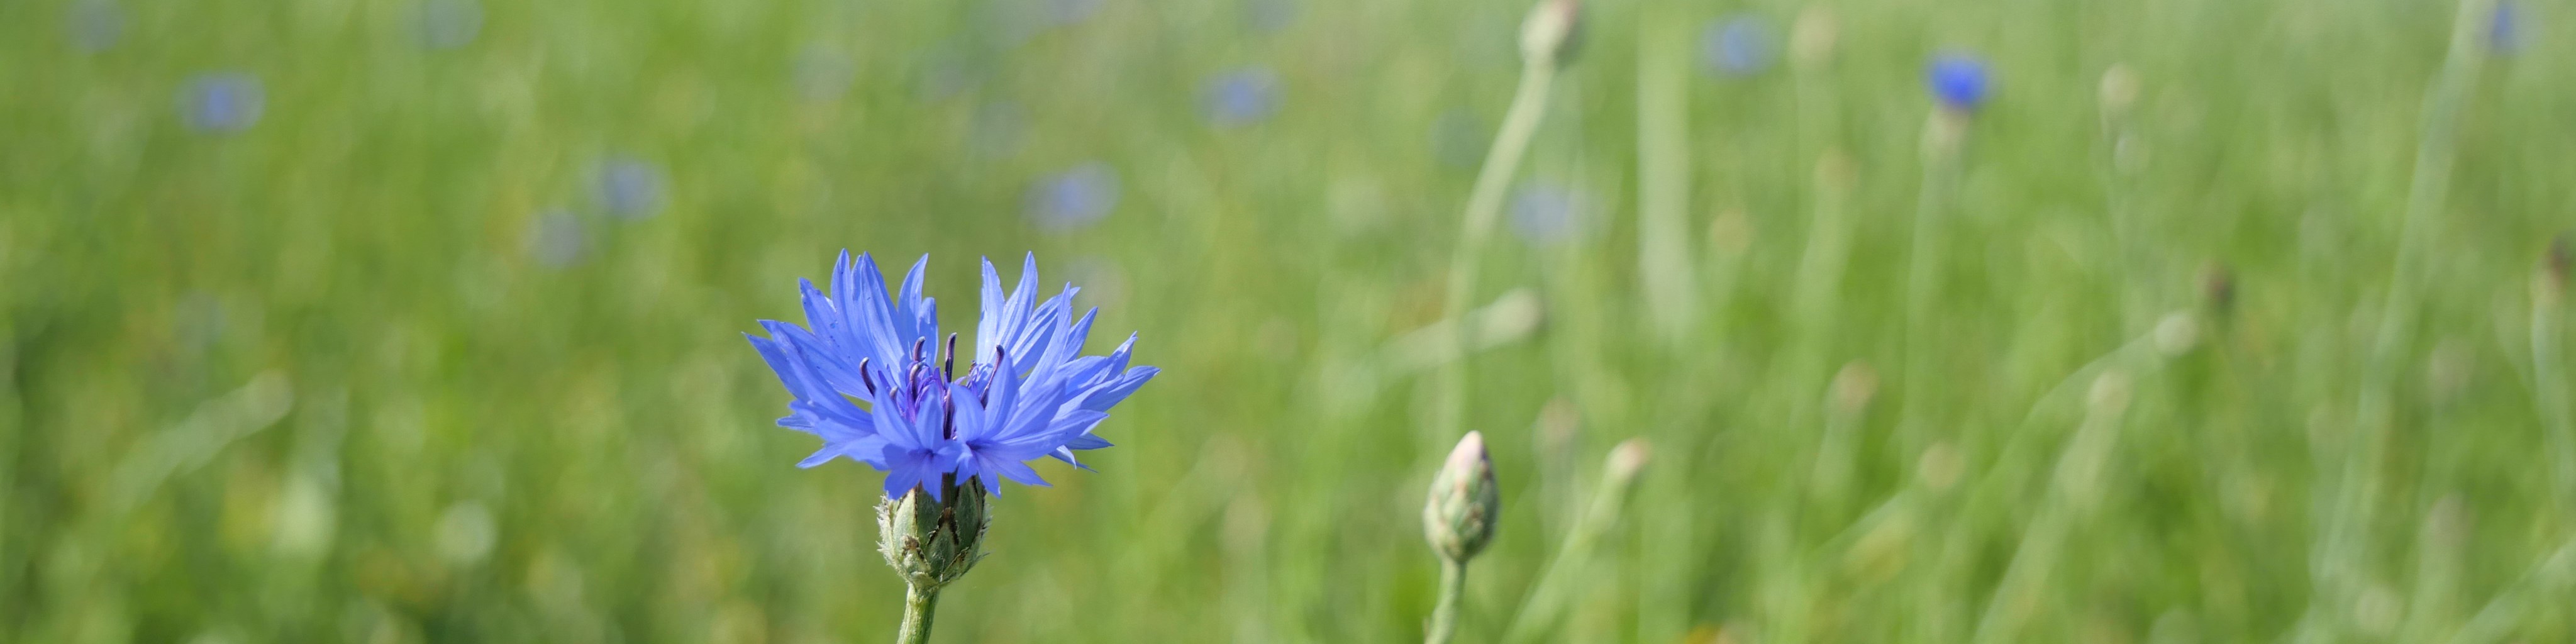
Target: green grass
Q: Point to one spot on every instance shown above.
(307, 382)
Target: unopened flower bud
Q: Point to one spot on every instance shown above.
(1459, 517)
(2218, 287)
(932, 542)
(1627, 460)
(2119, 91)
(1811, 37)
(1552, 32)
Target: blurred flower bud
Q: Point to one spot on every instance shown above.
(2177, 333)
(1853, 387)
(1627, 459)
(932, 542)
(2218, 288)
(1553, 32)
(2109, 395)
(1459, 517)
(2119, 91)
(1811, 37)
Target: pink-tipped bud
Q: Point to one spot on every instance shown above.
(1552, 32)
(1459, 517)
(1628, 459)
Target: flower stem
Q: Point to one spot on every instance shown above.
(1444, 617)
(1484, 206)
(917, 604)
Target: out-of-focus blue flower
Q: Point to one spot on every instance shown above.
(628, 188)
(1073, 199)
(1241, 97)
(872, 377)
(446, 24)
(222, 102)
(1548, 213)
(1958, 80)
(1742, 45)
(95, 25)
(557, 239)
(2504, 27)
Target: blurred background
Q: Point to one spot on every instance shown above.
(419, 320)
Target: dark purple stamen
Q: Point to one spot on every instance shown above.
(917, 345)
(948, 423)
(951, 369)
(864, 380)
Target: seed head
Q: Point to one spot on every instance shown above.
(1552, 32)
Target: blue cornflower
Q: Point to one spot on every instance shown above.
(871, 377)
(1547, 213)
(1958, 80)
(1242, 97)
(1073, 199)
(222, 102)
(2504, 27)
(628, 188)
(1740, 46)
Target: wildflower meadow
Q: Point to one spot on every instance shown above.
(1449, 321)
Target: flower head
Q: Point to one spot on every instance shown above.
(2504, 27)
(222, 102)
(1073, 199)
(627, 187)
(1241, 97)
(1743, 45)
(1959, 81)
(873, 378)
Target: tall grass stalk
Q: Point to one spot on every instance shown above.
(2549, 384)
(1663, 175)
(1549, 598)
(2074, 491)
(1943, 135)
(2340, 566)
(1484, 207)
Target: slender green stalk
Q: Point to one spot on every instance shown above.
(1545, 605)
(2074, 491)
(1941, 141)
(1444, 616)
(1663, 175)
(2346, 547)
(1484, 206)
(917, 605)
(2549, 389)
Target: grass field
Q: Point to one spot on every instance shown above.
(389, 321)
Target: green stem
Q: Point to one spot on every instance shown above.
(1444, 617)
(917, 604)
(1484, 206)
(2346, 549)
